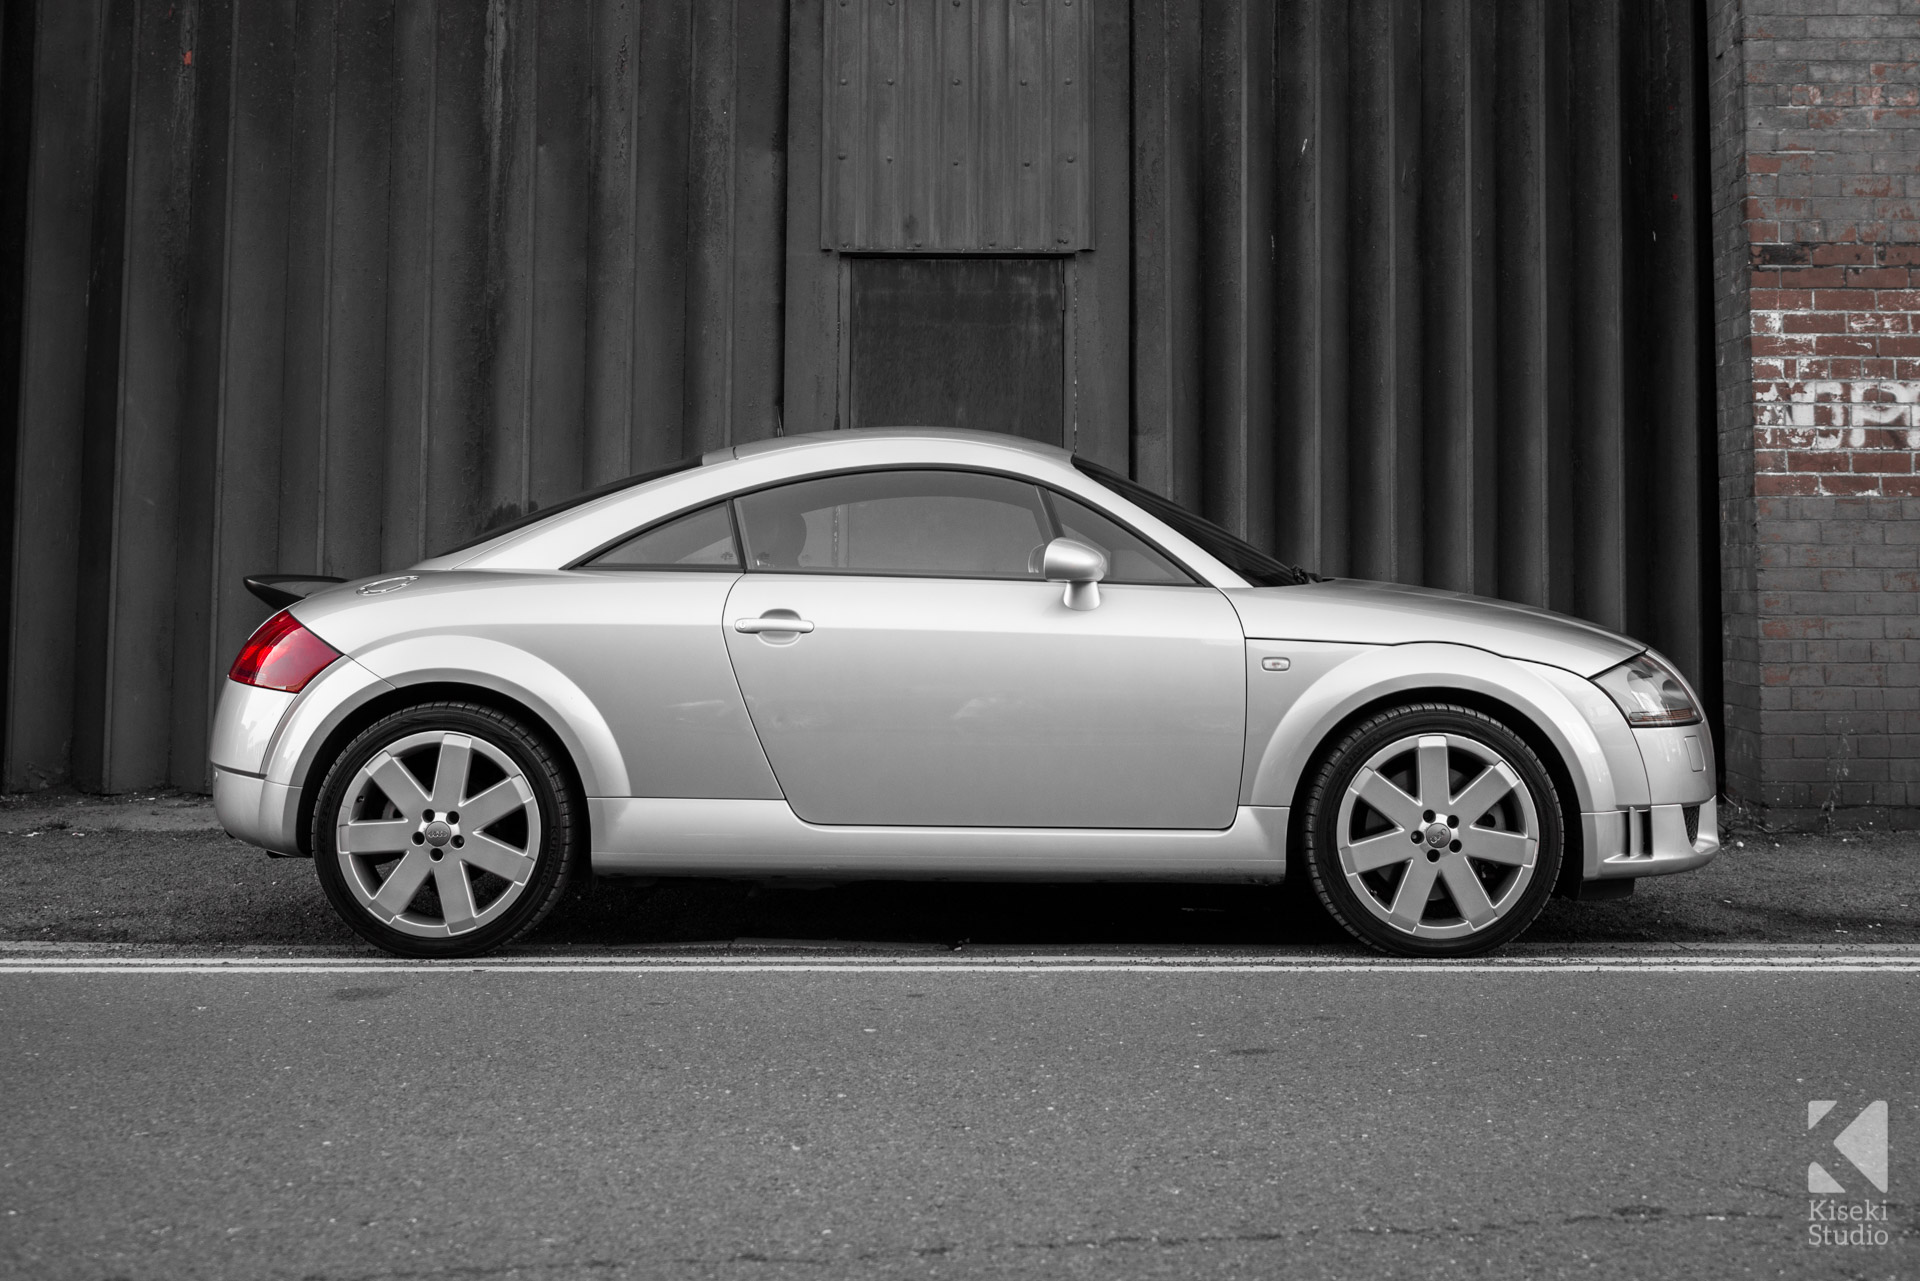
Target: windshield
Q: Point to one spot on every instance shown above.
(1236, 553)
(568, 504)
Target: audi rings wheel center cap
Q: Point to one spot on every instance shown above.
(1437, 836)
(438, 834)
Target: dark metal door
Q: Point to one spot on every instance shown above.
(958, 342)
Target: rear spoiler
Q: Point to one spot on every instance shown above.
(282, 590)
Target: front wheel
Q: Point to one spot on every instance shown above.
(445, 830)
(1433, 830)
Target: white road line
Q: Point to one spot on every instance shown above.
(1023, 965)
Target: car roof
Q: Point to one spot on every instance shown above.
(956, 435)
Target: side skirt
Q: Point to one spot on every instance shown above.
(653, 837)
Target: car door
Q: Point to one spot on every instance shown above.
(931, 677)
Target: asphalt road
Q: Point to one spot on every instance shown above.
(919, 1117)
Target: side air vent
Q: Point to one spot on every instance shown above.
(1691, 813)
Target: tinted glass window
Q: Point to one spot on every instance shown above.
(698, 540)
(1239, 555)
(1129, 558)
(947, 523)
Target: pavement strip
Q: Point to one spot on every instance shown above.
(28, 958)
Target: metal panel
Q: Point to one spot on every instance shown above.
(1168, 216)
(69, 159)
(1313, 264)
(1458, 247)
(954, 128)
(132, 446)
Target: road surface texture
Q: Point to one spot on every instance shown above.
(780, 1113)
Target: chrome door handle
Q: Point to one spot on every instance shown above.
(753, 626)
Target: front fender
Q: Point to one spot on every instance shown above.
(1429, 670)
(493, 665)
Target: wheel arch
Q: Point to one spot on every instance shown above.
(509, 681)
(1395, 676)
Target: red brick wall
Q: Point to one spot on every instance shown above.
(1836, 359)
(1817, 177)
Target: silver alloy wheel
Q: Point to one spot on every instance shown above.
(394, 833)
(1438, 835)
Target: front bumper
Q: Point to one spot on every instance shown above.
(1651, 841)
(1679, 829)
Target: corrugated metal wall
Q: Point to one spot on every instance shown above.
(322, 284)
(1418, 294)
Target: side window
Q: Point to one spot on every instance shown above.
(942, 523)
(698, 540)
(1129, 558)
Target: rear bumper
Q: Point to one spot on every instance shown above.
(244, 724)
(263, 746)
(257, 811)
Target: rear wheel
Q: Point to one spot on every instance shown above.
(445, 830)
(1433, 830)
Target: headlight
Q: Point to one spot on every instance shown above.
(1648, 692)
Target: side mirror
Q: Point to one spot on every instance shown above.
(1078, 566)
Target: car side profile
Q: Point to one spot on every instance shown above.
(944, 654)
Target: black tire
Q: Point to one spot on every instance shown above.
(548, 822)
(1367, 901)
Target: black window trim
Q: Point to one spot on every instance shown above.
(739, 542)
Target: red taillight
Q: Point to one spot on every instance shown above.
(281, 655)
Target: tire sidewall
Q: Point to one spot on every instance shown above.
(553, 861)
(1336, 772)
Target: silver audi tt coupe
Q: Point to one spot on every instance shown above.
(940, 654)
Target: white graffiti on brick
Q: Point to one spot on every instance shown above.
(1832, 403)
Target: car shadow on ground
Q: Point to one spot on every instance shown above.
(939, 914)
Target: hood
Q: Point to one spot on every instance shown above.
(1360, 612)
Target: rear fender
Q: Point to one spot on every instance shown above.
(487, 664)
